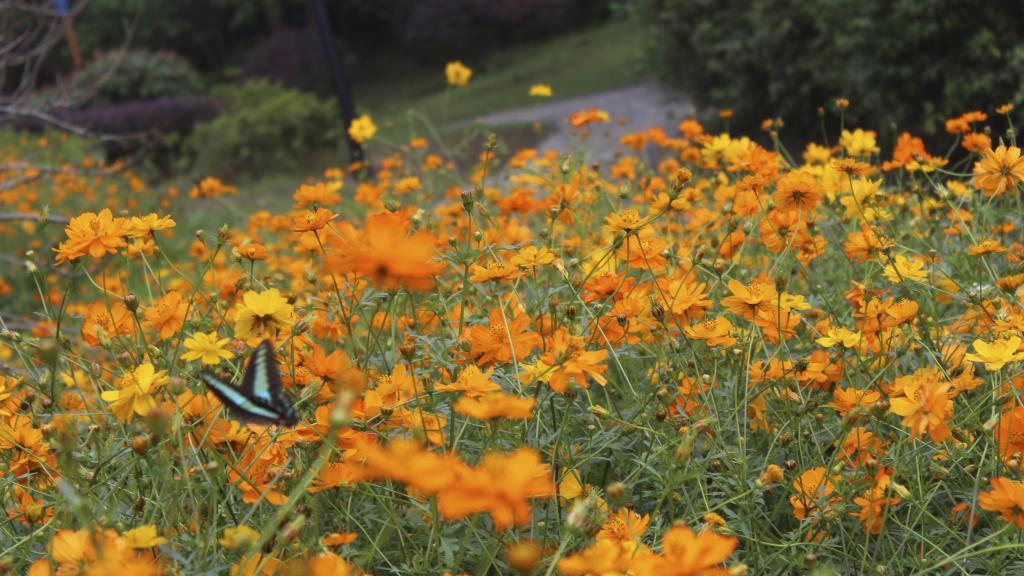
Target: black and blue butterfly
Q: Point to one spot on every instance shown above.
(260, 399)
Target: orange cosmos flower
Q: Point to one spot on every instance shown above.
(798, 191)
(685, 553)
(1010, 433)
(875, 504)
(909, 148)
(312, 220)
(104, 321)
(864, 245)
(999, 170)
(715, 331)
(844, 400)
(493, 271)
(985, 247)
(407, 461)
(860, 446)
(601, 557)
(327, 564)
(501, 485)
(167, 315)
(496, 405)
(976, 142)
(584, 117)
(389, 255)
(92, 234)
(28, 510)
(499, 341)
(317, 194)
(569, 359)
(625, 221)
(852, 167)
(813, 490)
(211, 187)
(26, 451)
(253, 251)
(339, 538)
(1007, 498)
(926, 409)
(748, 302)
(685, 299)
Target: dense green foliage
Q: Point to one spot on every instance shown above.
(790, 56)
(264, 126)
(123, 76)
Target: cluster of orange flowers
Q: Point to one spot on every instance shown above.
(484, 338)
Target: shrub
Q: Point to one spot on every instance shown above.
(122, 76)
(789, 56)
(264, 125)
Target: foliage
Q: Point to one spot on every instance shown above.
(709, 354)
(791, 56)
(129, 75)
(264, 126)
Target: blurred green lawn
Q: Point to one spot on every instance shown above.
(582, 62)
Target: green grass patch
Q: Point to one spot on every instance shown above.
(583, 62)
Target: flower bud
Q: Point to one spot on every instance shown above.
(523, 556)
(131, 302)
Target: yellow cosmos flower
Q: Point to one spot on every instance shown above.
(362, 129)
(457, 73)
(143, 537)
(848, 338)
(532, 256)
(904, 269)
(146, 225)
(263, 314)
(134, 393)
(540, 91)
(997, 354)
(859, 142)
(206, 348)
(238, 537)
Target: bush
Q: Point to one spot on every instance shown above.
(264, 126)
(123, 76)
(909, 62)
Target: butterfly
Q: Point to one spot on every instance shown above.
(259, 399)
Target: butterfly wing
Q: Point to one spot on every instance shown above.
(262, 383)
(238, 404)
(260, 399)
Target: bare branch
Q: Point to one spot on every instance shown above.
(35, 216)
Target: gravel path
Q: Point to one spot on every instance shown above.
(642, 106)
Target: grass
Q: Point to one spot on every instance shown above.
(583, 62)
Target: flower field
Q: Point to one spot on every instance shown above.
(709, 355)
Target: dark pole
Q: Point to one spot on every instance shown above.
(341, 87)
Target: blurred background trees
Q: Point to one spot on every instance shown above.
(169, 67)
(905, 62)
